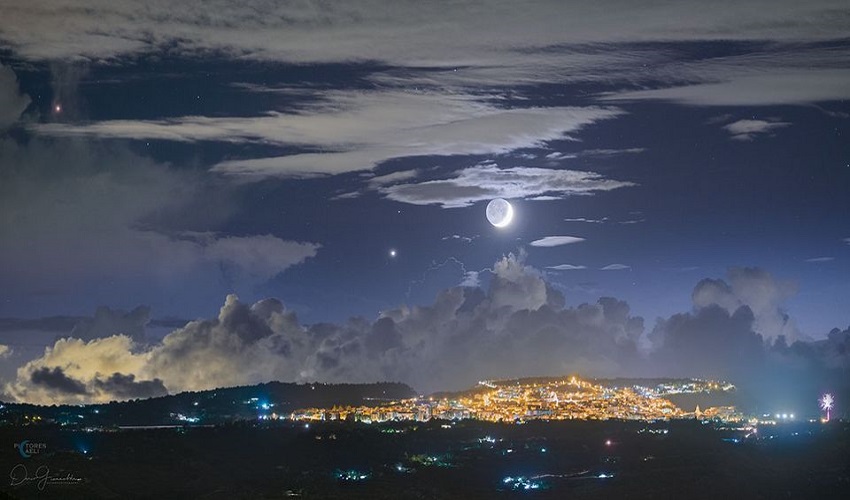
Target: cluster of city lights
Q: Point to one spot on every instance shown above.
(522, 483)
(352, 475)
(521, 401)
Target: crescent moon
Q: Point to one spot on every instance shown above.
(499, 213)
(509, 216)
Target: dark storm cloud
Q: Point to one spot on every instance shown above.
(55, 380)
(12, 101)
(797, 371)
(169, 322)
(830, 354)
(73, 211)
(709, 342)
(49, 324)
(757, 289)
(108, 322)
(120, 387)
(105, 322)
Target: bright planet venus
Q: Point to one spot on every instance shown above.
(500, 212)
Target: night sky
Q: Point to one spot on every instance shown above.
(337, 158)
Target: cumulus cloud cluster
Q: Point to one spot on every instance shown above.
(518, 325)
(467, 333)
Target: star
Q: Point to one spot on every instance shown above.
(393, 253)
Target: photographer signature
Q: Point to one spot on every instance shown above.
(20, 475)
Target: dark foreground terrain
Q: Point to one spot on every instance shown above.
(684, 459)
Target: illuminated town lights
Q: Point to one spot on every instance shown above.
(351, 475)
(522, 483)
(518, 403)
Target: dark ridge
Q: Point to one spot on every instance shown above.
(215, 406)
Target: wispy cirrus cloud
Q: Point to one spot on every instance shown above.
(393, 178)
(615, 267)
(603, 220)
(483, 40)
(585, 219)
(555, 241)
(457, 237)
(772, 86)
(484, 182)
(421, 33)
(454, 58)
(820, 259)
(566, 267)
(358, 130)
